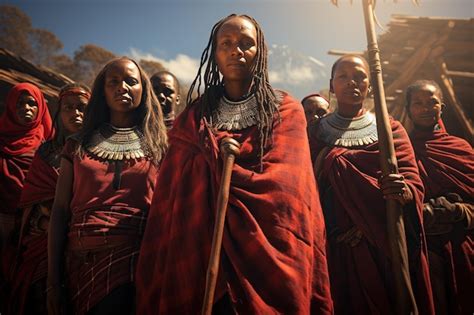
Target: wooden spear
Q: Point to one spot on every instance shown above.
(230, 148)
(405, 299)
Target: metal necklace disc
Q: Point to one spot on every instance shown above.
(348, 132)
(234, 116)
(112, 143)
(239, 115)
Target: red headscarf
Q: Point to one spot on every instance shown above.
(15, 138)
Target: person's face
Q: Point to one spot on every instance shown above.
(315, 107)
(72, 112)
(350, 82)
(166, 89)
(26, 108)
(425, 106)
(236, 47)
(123, 86)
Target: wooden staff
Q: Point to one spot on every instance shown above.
(405, 299)
(230, 148)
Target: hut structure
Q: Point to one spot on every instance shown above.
(432, 48)
(15, 69)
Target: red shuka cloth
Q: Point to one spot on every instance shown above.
(273, 255)
(361, 280)
(13, 171)
(18, 144)
(106, 225)
(32, 262)
(447, 166)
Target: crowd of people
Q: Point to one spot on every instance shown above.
(109, 207)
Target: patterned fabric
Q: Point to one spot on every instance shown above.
(32, 260)
(446, 163)
(40, 183)
(13, 171)
(106, 225)
(360, 273)
(273, 255)
(447, 166)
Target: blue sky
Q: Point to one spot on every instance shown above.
(175, 32)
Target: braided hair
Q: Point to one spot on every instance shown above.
(213, 84)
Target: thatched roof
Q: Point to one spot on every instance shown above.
(433, 48)
(15, 69)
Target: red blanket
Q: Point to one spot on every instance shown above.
(13, 172)
(361, 280)
(447, 166)
(32, 260)
(273, 257)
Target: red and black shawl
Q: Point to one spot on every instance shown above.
(273, 257)
(446, 165)
(32, 261)
(361, 280)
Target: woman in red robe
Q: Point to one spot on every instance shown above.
(273, 257)
(345, 152)
(446, 166)
(104, 190)
(24, 125)
(28, 284)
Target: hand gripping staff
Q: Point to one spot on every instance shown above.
(230, 148)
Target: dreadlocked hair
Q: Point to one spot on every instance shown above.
(213, 84)
(148, 114)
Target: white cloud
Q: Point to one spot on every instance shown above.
(292, 76)
(274, 77)
(182, 66)
(300, 75)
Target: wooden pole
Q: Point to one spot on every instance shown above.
(230, 148)
(405, 300)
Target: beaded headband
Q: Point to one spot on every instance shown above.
(75, 91)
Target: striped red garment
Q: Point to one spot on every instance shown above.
(446, 166)
(273, 257)
(361, 276)
(32, 259)
(101, 256)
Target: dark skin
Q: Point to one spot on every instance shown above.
(123, 92)
(72, 112)
(71, 108)
(351, 85)
(26, 109)
(315, 107)
(236, 48)
(425, 107)
(166, 90)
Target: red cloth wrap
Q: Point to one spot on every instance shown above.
(273, 256)
(40, 183)
(106, 225)
(32, 262)
(15, 138)
(18, 144)
(12, 176)
(361, 279)
(446, 165)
